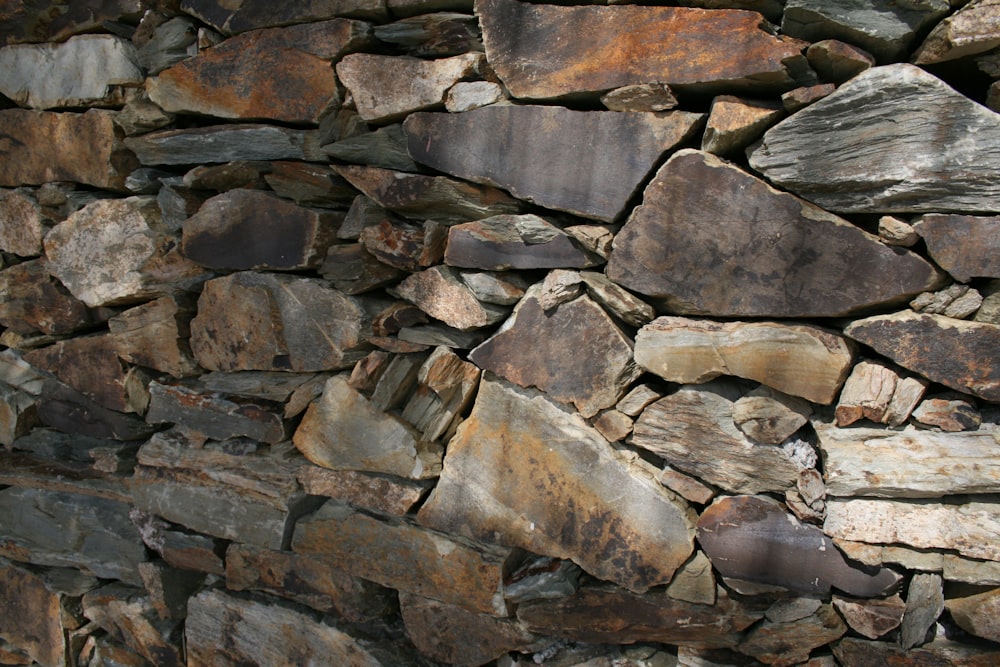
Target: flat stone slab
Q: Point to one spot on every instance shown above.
(41, 21)
(710, 239)
(585, 162)
(227, 143)
(894, 139)
(966, 246)
(637, 44)
(969, 31)
(236, 16)
(514, 242)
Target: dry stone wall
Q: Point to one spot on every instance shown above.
(431, 332)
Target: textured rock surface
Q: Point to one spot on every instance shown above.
(977, 613)
(32, 300)
(789, 643)
(965, 246)
(226, 143)
(970, 30)
(734, 123)
(236, 16)
(514, 242)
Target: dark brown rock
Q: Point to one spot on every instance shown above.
(838, 61)
(309, 185)
(127, 613)
(778, 257)
(800, 98)
(516, 150)
(871, 618)
(639, 45)
(90, 365)
(514, 242)
(734, 123)
(38, 471)
(966, 246)
(384, 494)
(405, 246)
(23, 223)
(862, 653)
(236, 16)
(69, 411)
(32, 300)
(41, 21)
(155, 334)
(169, 588)
(353, 270)
(440, 292)
(17, 413)
(789, 643)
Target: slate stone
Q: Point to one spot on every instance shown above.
(956, 353)
(440, 292)
(281, 74)
(800, 98)
(734, 123)
(127, 612)
(43, 21)
(353, 270)
(753, 538)
(31, 300)
(309, 185)
(871, 618)
(385, 147)
(29, 470)
(790, 643)
(639, 44)
(895, 139)
(971, 30)
(884, 28)
(591, 166)
(44, 146)
(156, 335)
(405, 246)
(496, 485)
(300, 324)
(838, 61)
(69, 411)
(862, 653)
(924, 604)
(801, 360)
(433, 34)
(227, 143)
(965, 246)
(236, 16)
(32, 620)
(505, 242)
(977, 613)
(383, 494)
(770, 416)
(776, 255)
(168, 43)
(90, 365)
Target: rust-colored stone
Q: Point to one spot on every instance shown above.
(966, 246)
(89, 365)
(32, 300)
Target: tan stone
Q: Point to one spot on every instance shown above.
(969, 31)
(156, 335)
(977, 614)
(379, 493)
(838, 61)
(871, 618)
(440, 292)
(23, 224)
(31, 619)
(734, 123)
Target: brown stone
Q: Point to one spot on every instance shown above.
(640, 97)
(440, 292)
(310, 185)
(169, 588)
(673, 250)
(862, 653)
(17, 413)
(977, 613)
(876, 392)
(236, 16)
(281, 74)
(127, 613)
(871, 618)
(516, 150)
(838, 61)
(784, 644)
(957, 353)
(607, 512)
(770, 416)
(686, 486)
(514, 242)
(40, 21)
(353, 270)
(969, 31)
(799, 98)
(69, 411)
(409, 558)
(44, 146)
(156, 335)
(23, 223)
(379, 493)
(300, 324)
(90, 365)
(753, 538)
(639, 44)
(31, 300)
(406, 246)
(966, 246)
(249, 229)
(894, 231)
(734, 123)
(445, 385)
(188, 551)
(948, 415)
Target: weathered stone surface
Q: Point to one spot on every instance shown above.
(502, 289)
(505, 242)
(293, 391)
(789, 643)
(31, 620)
(252, 498)
(871, 618)
(542, 577)
(969, 31)
(966, 246)
(638, 45)
(281, 74)
(224, 629)
(971, 529)
(882, 27)
(127, 613)
(948, 415)
(606, 614)
(406, 246)
(432, 35)
(769, 8)
(31, 300)
(44, 146)
(188, 551)
(469, 95)
(861, 653)
(770, 416)
(608, 513)
(236, 16)
(88, 70)
(977, 614)
(40, 20)
(440, 292)
(69, 411)
(423, 197)
(383, 494)
(250, 229)
(753, 538)
(876, 392)
(977, 572)
(409, 558)
(309, 185)
(70, 530)
(694, 582)
(734, 123)
(169, 588)
(300, 324)
(924, 604)
(305, 580)
(385, 147)
(957, 353)
(530, 348)
(386, 88)
(90, 365)
(838, 61)
(800, 98)
(895, 139)
(226, 143)
(353, 270)
(957, 300)
(778, 257)
(686, 486)
(640, 97)
(693, 430)
(23, 223)
(344, 431)
(116, 251)
(445, 385)
(17, 413)
(513, 147)
(155, 334)
(163, 42)
(801, 360)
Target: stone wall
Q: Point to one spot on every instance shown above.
(412, 332)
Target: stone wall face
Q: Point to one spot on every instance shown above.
(424, 332)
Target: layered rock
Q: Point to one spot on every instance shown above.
(242, 15)
(226, 143)
(963, 245)
(969, 31)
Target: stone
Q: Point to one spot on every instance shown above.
(924, 604)
(894, 231)
(188, 551)
(281, 74)
(156, 335)
(686, 486)
(971, 529)
(379, 493)
(351, 269)
(971, 30)
(504, 242)
(595, 238)
(871, 618)
(170, 42)
(223, 628)
(895, 168)
(639, 45)
(693, 431)
(344, 431)
(305, 580)
(433, 35)
(977, 572)
(237, 16)
(88, 70)
(877, 555)
(879, 393)
(31, 301)
(502, 289)
(300, 324)
(977, 613)
(514, 151)
(69, 411)
(440, 334)
(310, 185)
(542, 578)
(127, 614)
(249, 229)
(957, 300)
(495, 486)
(687, 350)
(613, 425)
(40, 21)
(385, 147)
(23, 223)
(600, 613)
(90, 365)
(410, 558)
(405, 246)
(784, 644)
(769, 416)
(139, 116)
(640, 97)
(771, 9)
(45, 146)
(636, 400)
(734, 123)
(883, 28)
(116, 252)
(440, 292)
(169, 588)
(618, 301)
(965, 246)
(838, 61)
(291, 391)
(956, 353)
(753, 538)
(386, 88)
(422, 197)
(799, 98)
(226, 143)
(248, 174)
(469, 95)
(948, 415)
(17, 414)
(528, 351)
(862, 653)
(62, 529)
(252, 498)
(445, 385)
(669, 249)
(694, 581)
(989, 311)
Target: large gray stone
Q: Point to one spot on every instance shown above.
(227, 143)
